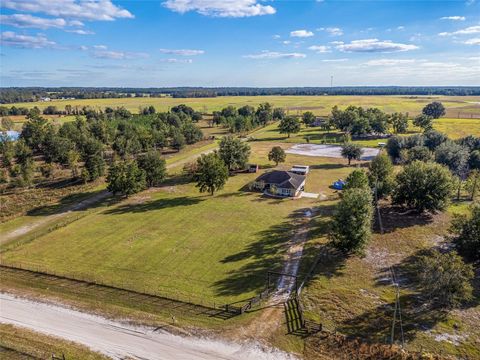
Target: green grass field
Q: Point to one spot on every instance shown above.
(19, 344)
(457, 107)
(174, 241)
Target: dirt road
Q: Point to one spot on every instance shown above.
(119, 340)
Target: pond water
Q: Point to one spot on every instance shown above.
(11, 134)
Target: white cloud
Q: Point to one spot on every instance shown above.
(117, 55)
(275, 55)
(10, 38)
(301, 33)
(81, 32)
(220, 8)
(334, 60)
(400, 28)
(75, 9)
(375, 45)
(320, 48)
(474, 41)
(286, 42)
(453, 18)
(276, 37)
(333, 31)
(100, 47)
(182, 52)
(467, 31)
(389, 62)
(177, 61)
(29, 21)
(336, 42)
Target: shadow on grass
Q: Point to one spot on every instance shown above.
(420, 312)
(394, 217)
(76, 202)
(265, 254)
(154, 205)
(327, 166)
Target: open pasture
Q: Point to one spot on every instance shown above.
(174, 241)
(457, 107)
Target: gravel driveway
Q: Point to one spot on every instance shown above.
(332, 151)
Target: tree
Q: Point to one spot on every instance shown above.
(399, 122)
(277, 154)
(357, 179)
(23, 153)
(434, 109)
(352, 221)
(423, 121)
(351, 152)
(423, 187)
(72, 162)
(246, 111)
(7, 123)
(92, 155)
(380, 175)
(289, 125)
(454, 156)
(473, 183)
(212, 173)
(264, 113)
(33, 132)
(308, 118)
(7, 149)
(154, 167)
(445, 278)
(278, 114)
(466, 233)
(234, 152)
(420, 153)
(474, 160)
(126, 178)
(192, 133)
(178, 140)
(434, 139)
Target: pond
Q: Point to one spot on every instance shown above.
(12, 135)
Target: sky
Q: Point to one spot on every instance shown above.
(257, 43)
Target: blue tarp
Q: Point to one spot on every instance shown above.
(338, 185)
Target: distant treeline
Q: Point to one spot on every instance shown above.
(28, 94)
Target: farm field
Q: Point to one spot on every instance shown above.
(174, 241)
(456, 106)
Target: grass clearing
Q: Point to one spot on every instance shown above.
(21, 343)
(457, 106)
(173, 241)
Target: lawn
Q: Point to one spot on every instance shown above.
(174, 241)
(321, 105)
(454, 128)
(18, 343)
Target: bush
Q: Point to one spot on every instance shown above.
(423, 187)
(380, 175)
(466, 233)
(352, 221)
(445, 278)
(126, 178)
(357, 179)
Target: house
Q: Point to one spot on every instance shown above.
(281, 183)
(300, 169)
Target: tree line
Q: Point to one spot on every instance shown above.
(28, 94)
(130, 144)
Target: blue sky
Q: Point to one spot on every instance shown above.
(158, 43)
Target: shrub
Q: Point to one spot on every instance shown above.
(423, 187)
(445, 278)
(466, 233)
(357, 179)
(352, 221)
